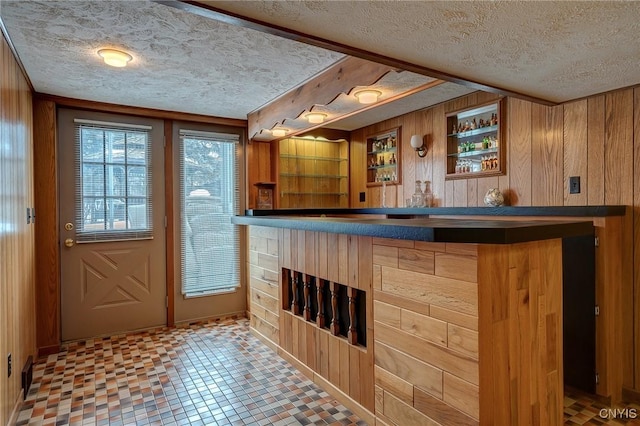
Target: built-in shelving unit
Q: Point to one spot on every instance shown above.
(313, 173)
(383, 158)
(476, 142)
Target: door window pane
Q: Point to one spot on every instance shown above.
(114, 177)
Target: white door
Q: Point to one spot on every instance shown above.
(112, 223)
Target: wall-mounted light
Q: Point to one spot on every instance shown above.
(367, 96)
(417, 143)
(315, 117)
(279, 132)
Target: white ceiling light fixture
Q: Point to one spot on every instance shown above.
(279, 132)
(115, 58)
(315, 117)
(367, 96)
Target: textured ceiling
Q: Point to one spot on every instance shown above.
(185, 62)
(553, 50)
(182, 62)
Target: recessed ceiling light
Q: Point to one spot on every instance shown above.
(315, 117)
(115, 58)
(367, 96)
(279, 132)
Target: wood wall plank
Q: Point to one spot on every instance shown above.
(546, 155)
(618, 161)
(439, 411)
(636, 237)
(519, 162)
(595, 138)
(432, 289)
(576, 151)
(439, 149)
(408, 368)
(17, 242)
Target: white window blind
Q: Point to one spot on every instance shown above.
(113, 169)
(209, 194)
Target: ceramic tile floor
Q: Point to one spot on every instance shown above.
(213, 373)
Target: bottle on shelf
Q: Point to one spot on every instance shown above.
(417, 199)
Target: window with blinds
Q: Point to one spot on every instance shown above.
(209, 195)
(114, 181)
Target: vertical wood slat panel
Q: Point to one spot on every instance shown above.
(519, 165)
(636, 236)
(439, 148)
(472, 192)
(576, 151)
(484, 185)
(618, 161)
(410, 161)
(546, 155)
(425, 128)
(357, 168)
(595, 140)
(17, 252)
(460, 193)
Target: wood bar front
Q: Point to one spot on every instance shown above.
(457, 333)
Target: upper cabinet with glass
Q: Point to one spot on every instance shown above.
(476, 142)
(383, 158)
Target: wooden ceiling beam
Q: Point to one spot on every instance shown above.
(339, 78)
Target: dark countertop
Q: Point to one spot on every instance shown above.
(429, 229)
(569, 211)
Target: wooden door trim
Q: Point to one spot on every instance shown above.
(47, 250)
(169, 228)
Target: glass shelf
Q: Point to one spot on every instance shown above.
(314, 193)
(382, 151)
(385, 166)
(474, 153)
(309, 157)
(294, 175)
(474, 132)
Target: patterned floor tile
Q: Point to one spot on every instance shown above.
(209, 373)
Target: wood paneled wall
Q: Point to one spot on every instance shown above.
(597, 139)
(17, 261)
(259, 160)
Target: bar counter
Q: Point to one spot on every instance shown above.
(429, 229)
(462, 317)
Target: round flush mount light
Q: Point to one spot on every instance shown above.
(367, 96)
(115, 58)
(315, 117)
(279, 132)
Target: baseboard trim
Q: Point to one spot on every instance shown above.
(48, 350)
